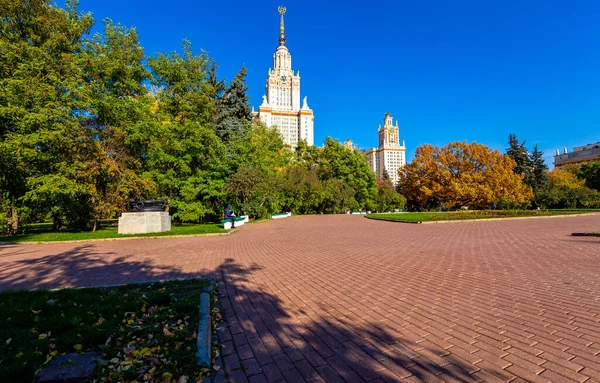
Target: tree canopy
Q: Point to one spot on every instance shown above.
(89, 121)
(461, 174)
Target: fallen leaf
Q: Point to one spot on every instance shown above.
(167, 332)
(115, 360)
(19, 355)
(166, 377)
(78, 347)
(8, 341)
(108, 341)
(128, 350)
(36, 312)
(43, 336)
(183, 379)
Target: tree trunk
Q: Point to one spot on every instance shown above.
(13, 224)
(56, 222)
(94, 228)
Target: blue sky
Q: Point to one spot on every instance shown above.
(448, 70)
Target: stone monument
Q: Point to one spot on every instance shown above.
(145, 216)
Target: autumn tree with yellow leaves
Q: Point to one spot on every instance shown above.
(461, 174)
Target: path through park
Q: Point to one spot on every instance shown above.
(344, 298)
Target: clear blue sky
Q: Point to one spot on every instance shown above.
(448, 70)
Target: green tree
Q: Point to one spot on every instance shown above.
(386, 175)
(565, 190)
(388, 199)
(253, 192)
(302, 192)
(338, 197)
(121, 108)
(591, 173)
(351, 168)
(539, 175)
(234, 117)
(540, 169)
(185, 157)
(43, 143)
(519, 153)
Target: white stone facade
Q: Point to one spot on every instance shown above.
(144, 222)
(579, 155)
(390, 155)
(281, 107)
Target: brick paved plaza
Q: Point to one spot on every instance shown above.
(344, 298)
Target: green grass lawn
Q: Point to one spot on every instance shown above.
(110, 232)
(144, 332)
(462, 215)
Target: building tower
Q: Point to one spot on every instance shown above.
(281, 103)
(390, 156)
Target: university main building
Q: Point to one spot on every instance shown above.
(281, 104)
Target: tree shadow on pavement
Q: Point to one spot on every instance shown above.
(82, 266)
(263, 340)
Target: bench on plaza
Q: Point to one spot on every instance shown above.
(281, 215)
(239, 221)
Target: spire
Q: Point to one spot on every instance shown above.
(281, 10)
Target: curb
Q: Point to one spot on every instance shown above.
(511, 218)
(485, 219)
(117, 285)
(119, 239)
(204, 337)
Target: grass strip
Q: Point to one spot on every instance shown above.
(111, 232)
(464, 215)
(144, 332)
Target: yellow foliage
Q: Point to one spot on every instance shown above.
(154, 108)
(462, 174)
(564, 179)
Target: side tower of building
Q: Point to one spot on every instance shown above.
(390, 156)
(281, 106)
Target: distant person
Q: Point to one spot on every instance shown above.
(229, 215)
(494, 206)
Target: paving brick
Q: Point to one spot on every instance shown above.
(272, 373)
(244, 352)
(227, 348)
(344, 296)
(251, 367)
(258, 379)
(231, 363)
(237, 376)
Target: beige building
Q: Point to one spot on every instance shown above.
(390, 155)
(281, 103)
(579, 155)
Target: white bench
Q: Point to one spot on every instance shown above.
(239, 221)
(281, 215)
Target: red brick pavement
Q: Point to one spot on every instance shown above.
(343, 298)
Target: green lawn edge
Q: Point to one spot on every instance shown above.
(110, 233)
(421, 217)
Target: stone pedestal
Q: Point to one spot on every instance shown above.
(145, 222)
